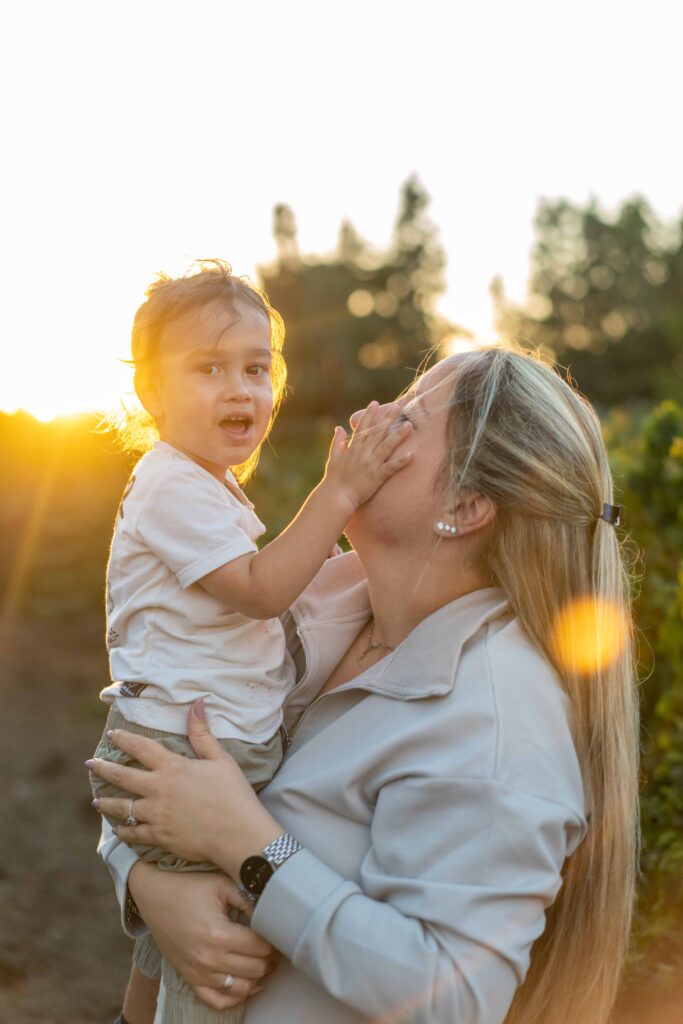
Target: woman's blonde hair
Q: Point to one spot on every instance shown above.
(520, 434)
(169, 299)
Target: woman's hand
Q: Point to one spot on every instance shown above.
(186, 913)
(199, 810)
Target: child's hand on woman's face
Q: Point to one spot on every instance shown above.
(359, 465)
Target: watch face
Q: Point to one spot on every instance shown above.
(254, 874)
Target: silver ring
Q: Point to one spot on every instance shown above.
(131, 820)
(228, 983)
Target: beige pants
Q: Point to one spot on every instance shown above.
(259, 762)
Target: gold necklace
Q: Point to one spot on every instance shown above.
(372, 644)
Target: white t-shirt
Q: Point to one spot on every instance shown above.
(176, 523)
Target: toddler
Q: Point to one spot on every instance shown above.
(193, 604)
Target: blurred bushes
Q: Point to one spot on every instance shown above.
(606, 299)
(648, 461)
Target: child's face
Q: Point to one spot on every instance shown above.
(212, 396)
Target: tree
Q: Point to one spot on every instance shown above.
(358, 323)
(606, 298)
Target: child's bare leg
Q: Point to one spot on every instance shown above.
(140, 1002)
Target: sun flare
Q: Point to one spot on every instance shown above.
(589, 634)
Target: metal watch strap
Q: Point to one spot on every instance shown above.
(281, 849)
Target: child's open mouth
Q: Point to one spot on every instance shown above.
(236, 425)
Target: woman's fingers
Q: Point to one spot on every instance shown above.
(250, 945)
(252, 968)
(219, 999)
(120, 807)
(204, 743)
(146, 751)
(135, 780)
(140, 835)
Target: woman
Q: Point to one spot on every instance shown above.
(463, 772)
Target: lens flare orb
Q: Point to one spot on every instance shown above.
(589, 634)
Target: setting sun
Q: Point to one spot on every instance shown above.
(68, 355)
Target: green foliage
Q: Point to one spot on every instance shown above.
(649, 468)
(606, 298)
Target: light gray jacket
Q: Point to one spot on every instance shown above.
(437, 796)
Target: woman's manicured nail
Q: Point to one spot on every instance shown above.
(110, 733)
(199, 708)
(89, 763)
(115, 830)
(96, 804)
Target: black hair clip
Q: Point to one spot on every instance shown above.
(611, 514)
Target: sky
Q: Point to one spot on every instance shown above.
(139, 136)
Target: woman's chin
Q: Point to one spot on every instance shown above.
(370, 526)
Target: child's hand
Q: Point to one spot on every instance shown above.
(359, 465)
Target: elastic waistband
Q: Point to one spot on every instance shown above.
(115, 720)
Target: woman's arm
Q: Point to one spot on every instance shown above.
(451, 897)
(187, 915)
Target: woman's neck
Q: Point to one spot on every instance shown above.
(405, 589)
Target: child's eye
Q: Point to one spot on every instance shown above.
(403, 418)
(258, 370)
(210, 369)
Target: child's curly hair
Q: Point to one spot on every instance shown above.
(169, 299)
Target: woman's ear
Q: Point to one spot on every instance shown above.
(473, 512)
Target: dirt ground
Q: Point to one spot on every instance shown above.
(63, 956)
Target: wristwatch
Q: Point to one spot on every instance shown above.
(257, 871)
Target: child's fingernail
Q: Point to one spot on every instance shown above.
(199, 708)
(96, 804)
(89, 763)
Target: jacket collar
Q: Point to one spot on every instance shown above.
(332, 610)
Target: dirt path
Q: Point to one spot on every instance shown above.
(63, 956)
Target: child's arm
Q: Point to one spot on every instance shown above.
(263, 584)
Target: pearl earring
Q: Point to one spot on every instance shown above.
(446, 528)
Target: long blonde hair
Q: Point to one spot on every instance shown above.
(520, 434)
